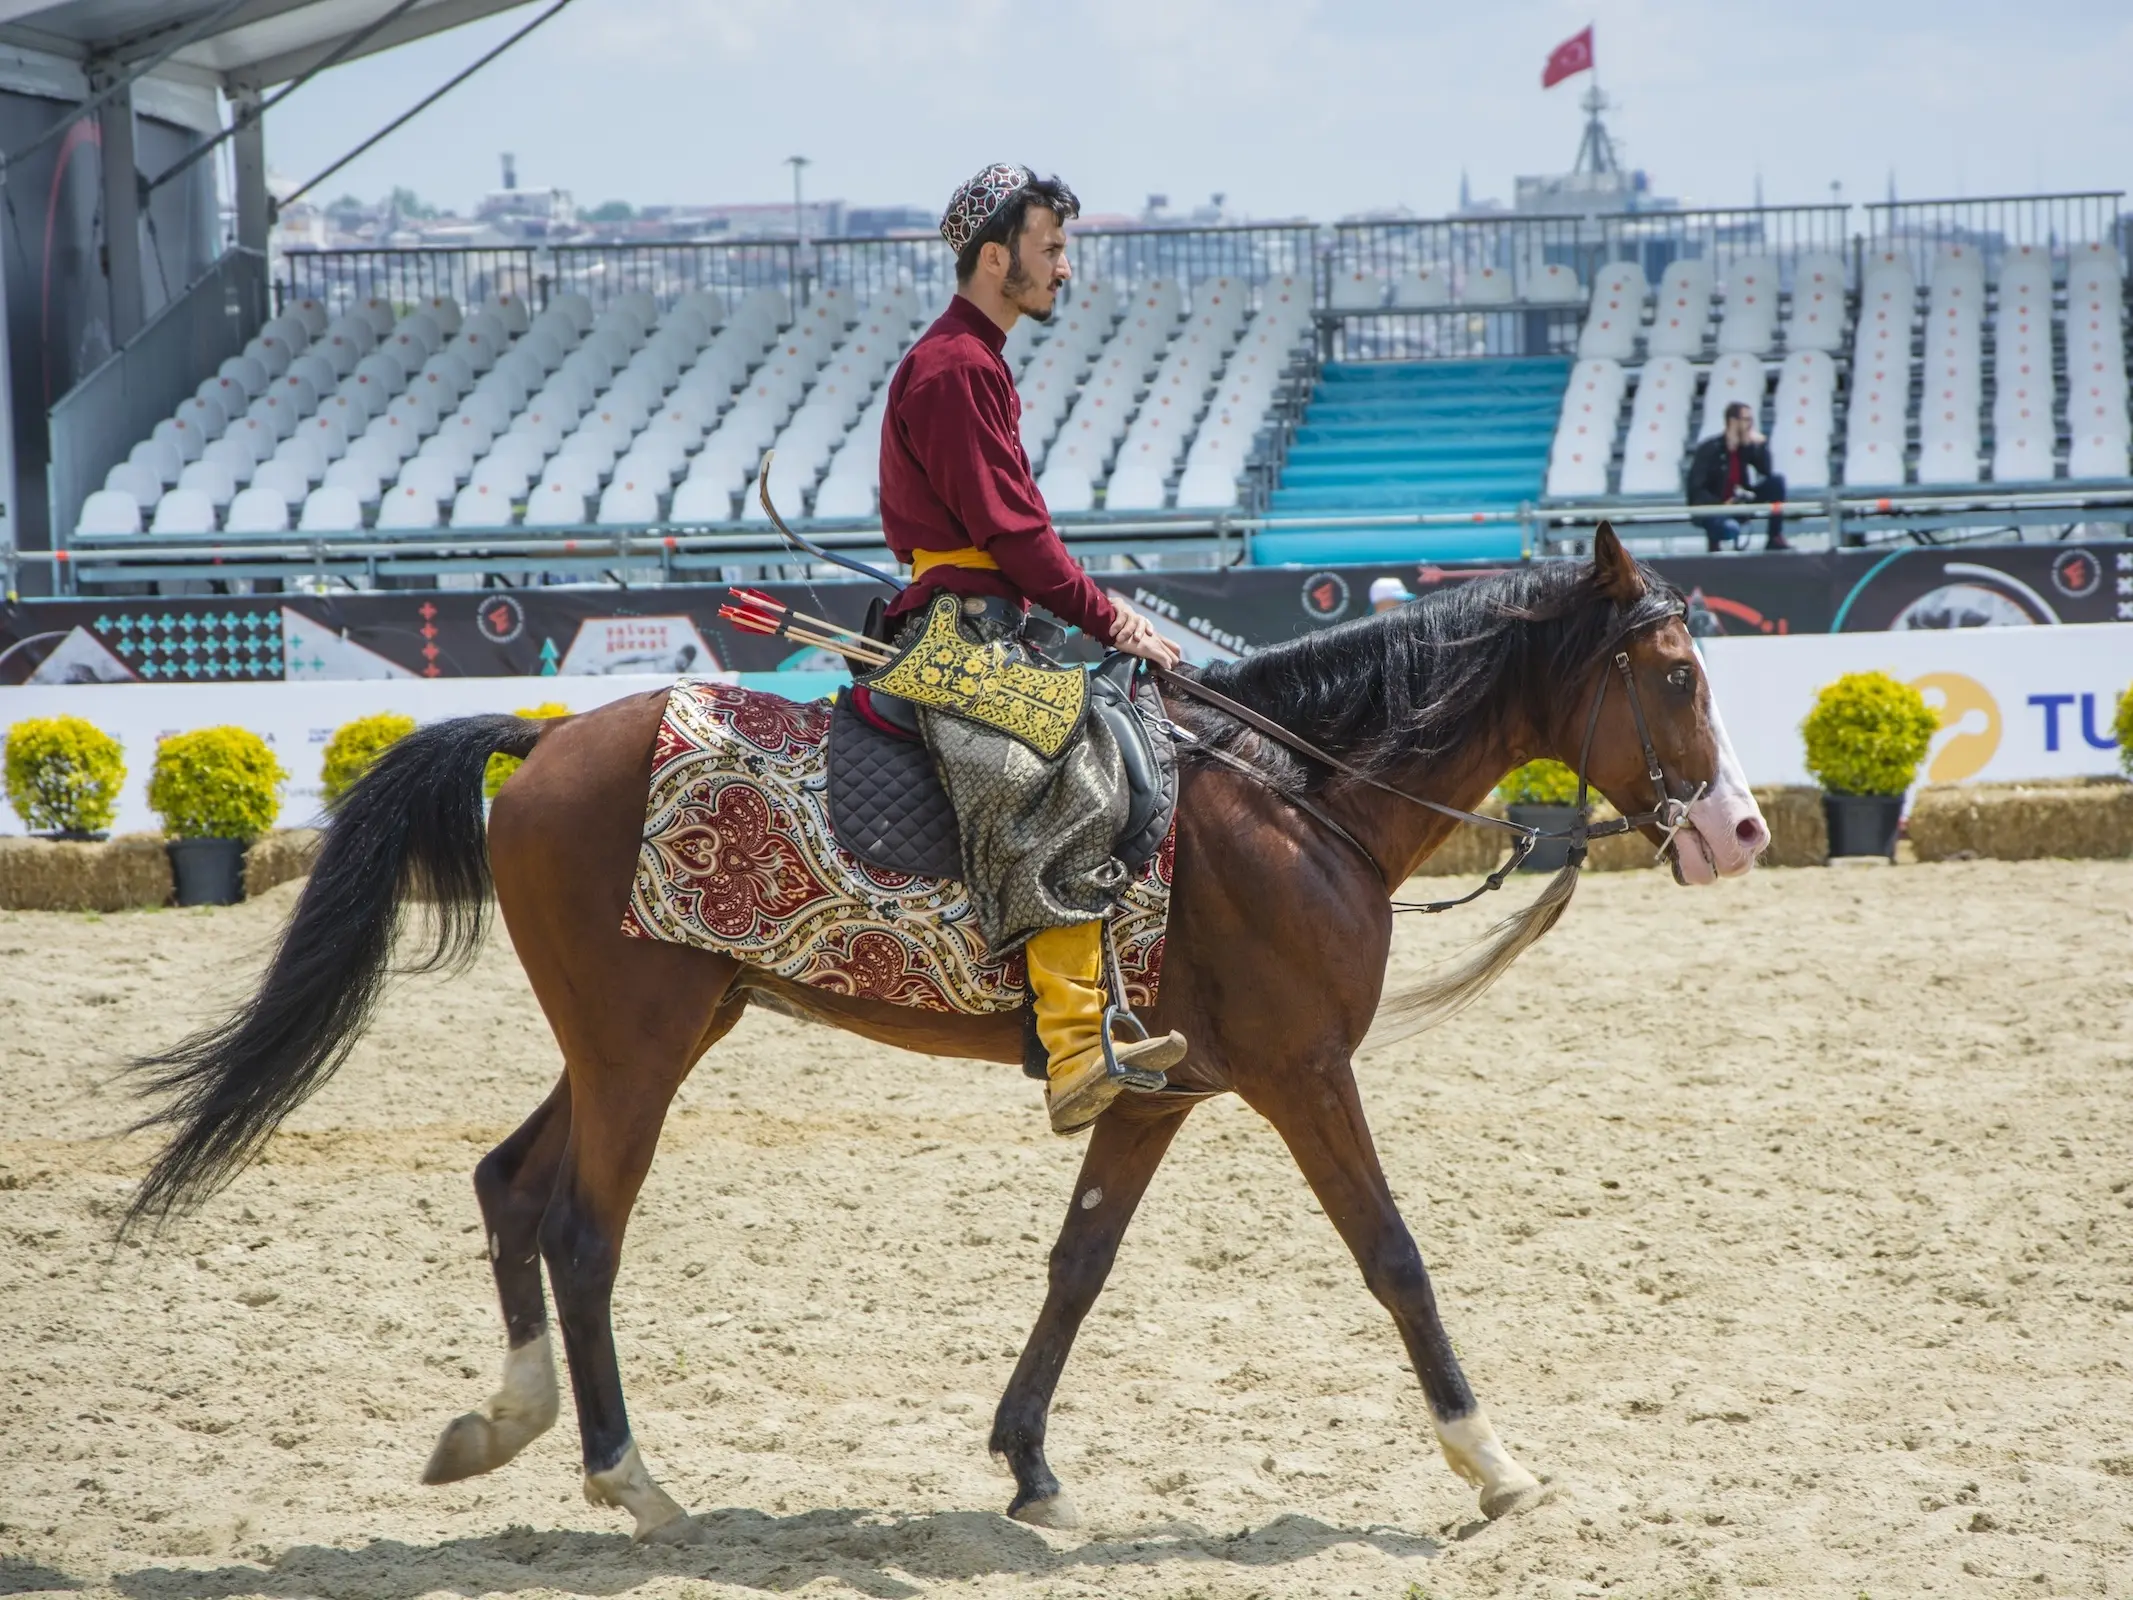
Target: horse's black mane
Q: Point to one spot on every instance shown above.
(1424, 680)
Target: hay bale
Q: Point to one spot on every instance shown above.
(1799, 832)
(2084, 819)
(277, 857)
(1472, 851)
(126, 874)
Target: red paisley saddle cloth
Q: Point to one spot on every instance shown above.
(738, 857)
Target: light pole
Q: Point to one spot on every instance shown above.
(799, 228)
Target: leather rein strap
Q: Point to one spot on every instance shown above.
(1670, 813)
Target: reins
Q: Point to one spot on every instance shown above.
(1670, 813)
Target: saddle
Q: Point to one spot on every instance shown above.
(887, 805)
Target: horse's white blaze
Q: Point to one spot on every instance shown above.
(1473, 1451)
(1728, 827)
(628, 1485)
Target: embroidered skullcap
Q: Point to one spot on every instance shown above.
(978, 201)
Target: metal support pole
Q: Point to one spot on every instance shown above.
(249, 148)
(10, 496)
(122, 215)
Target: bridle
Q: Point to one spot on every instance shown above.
(1670, 813)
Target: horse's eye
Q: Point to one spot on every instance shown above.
(1682, 678)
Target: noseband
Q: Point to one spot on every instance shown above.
(1670, 813)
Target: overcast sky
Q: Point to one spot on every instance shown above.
(1290, 107)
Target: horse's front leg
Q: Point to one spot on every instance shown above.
(1125, 1148)
(1319, 1115)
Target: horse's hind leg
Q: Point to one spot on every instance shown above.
(620, 1085)
(513, 1184)
(1320, 1118)
(1127, 1146)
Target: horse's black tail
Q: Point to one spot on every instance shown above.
(410, 828)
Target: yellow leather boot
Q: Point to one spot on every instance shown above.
(1064, 964)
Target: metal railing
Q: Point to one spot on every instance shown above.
(660, 553)
(1452, 335)
(1459, 248)
(472, 274)
(96, 423)
(1994, 223)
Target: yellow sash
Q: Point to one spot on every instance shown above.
(922, 560)
(986, 683)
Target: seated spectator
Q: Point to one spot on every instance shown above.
(1732, 468)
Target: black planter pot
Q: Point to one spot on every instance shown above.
(209, 872)
(1549, 855)
(1862, 824)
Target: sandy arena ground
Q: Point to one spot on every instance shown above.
(1784, 1228)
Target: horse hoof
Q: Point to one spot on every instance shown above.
(466, 1449)
(1055, 1510)
(1508, 1498)
(681, 1530)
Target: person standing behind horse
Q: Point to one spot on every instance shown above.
(960, 506)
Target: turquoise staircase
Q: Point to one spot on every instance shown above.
(1414, 436)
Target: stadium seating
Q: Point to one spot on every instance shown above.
(1658, 427)
(1749, 323)
(1683, 311)
(1616, 315)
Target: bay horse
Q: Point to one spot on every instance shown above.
(1280, 925)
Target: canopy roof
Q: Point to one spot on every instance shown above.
(261, 43)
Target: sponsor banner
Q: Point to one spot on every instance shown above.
(2014, 702)
(1212, 614)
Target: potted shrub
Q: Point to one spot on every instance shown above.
(2122, 729)
(63, 777)
(355, 745)
(216, 791)
(1542, 794)
(1865, 738)
(501, 767)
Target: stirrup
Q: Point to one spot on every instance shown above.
(1117, 1013)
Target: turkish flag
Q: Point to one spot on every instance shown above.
(1573, 55)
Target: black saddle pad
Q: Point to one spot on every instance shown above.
(886, 802)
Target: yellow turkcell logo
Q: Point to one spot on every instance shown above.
(1970, 726)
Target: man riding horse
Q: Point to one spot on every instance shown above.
(959, 505)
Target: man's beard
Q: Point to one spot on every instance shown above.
(1016, 284)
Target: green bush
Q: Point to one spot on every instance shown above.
(216, 783)
(1540, 783)
(501, 767)
(63, 775)
(2122, 726)
(1867, 734)
(355, 745)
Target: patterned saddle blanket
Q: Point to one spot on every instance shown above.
(738, 856)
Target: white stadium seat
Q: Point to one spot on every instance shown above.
(703, 500)
(555, 503)
(184, 511)
(143, 485)
(282, 478)
(1488, 286)
(2097, 454)
(257, 510)
(109, 511)
(1748, 325)
(406, 508)
(1870, 464)
(1734, 378)
(1357, 290)
(1658, 427)
(1208, 486)
(1551, 284)
(1615, 316)
(1815, 317)
(483, 504)
(1585, 430)
(331, 508)
(1683, 310)
(628, 502)
(1066, 489)
(210, 477)
(2022, 454)
(357, 475)
(1427, 287)
(160, 457)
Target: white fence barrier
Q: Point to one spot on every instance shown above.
(2014, 702)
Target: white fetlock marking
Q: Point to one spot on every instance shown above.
(1473, 1451)
(628, 1485)
(527, 1405)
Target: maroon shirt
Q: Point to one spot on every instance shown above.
(954, 476)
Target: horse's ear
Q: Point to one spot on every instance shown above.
(1612, 569)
